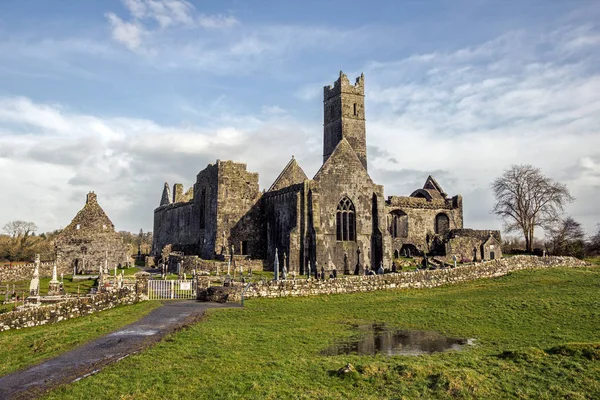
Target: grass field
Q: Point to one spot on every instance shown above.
(22, 348)
(537, 335)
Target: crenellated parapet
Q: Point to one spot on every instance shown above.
(343, 85)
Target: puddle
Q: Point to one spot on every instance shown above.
(381, 339)
(135, 332)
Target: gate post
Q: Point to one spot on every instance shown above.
(141, 285)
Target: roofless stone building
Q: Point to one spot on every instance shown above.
(338, 218)
(89, 241)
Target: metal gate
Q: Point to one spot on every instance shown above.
(171, 289)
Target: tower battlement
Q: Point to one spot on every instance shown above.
(343, 85)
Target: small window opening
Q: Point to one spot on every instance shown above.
(355, 109)
(244, 247)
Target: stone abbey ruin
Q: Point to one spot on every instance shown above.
(89, 242)
(338, 220)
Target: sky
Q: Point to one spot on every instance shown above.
(120, 96)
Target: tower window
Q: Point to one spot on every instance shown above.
(355, 109)
(345, 221)
(331, 112)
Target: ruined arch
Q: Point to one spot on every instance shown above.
(398, 224)
(442, 224)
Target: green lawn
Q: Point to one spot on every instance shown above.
(537, 332)
(25, 347)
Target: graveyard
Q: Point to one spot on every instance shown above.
(228, 199)
(533, 335)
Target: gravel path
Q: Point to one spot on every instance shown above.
(92, 357)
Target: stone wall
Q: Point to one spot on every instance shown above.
(404, 280)
(71, 308)
(214, 266)
(174, 224)
(420, 215)
(239, 213)
(20, 272)
(282, 213)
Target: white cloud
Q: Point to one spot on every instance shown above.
(49, 149)
(128, 33)
(166, 14)
(517, 99)
(216, 21)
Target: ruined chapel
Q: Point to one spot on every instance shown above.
(338, 219)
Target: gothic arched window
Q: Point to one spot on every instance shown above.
(345, 220)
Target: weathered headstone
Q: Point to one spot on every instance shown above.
(34, 286)
(346, 266)
(276, 266)
(358, 270)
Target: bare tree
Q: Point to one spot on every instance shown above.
(593, 246)
(22, 241)
(566, 237)
(525, 198)
(17, 229)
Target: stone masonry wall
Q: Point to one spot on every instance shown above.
(404, 280)
(22, 272)
(421, 215)
(72, 308)
(239, 209)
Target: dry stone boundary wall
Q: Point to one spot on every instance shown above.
(19, 272)
(71, 308)
(403, 280)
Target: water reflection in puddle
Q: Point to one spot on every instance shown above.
(381, 339)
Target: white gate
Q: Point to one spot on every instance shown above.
(171, 289)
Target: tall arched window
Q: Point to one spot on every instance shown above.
(398, 224)
(442, 224)
(345, 220)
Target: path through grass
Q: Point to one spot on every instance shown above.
(25, 347)
(271, 348)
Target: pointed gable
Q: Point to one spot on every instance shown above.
(434, 188)
(91, 217)
(343, 160)
(431, 184)
(166, 195)
(292, 174)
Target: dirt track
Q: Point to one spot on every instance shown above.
(93, 356)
